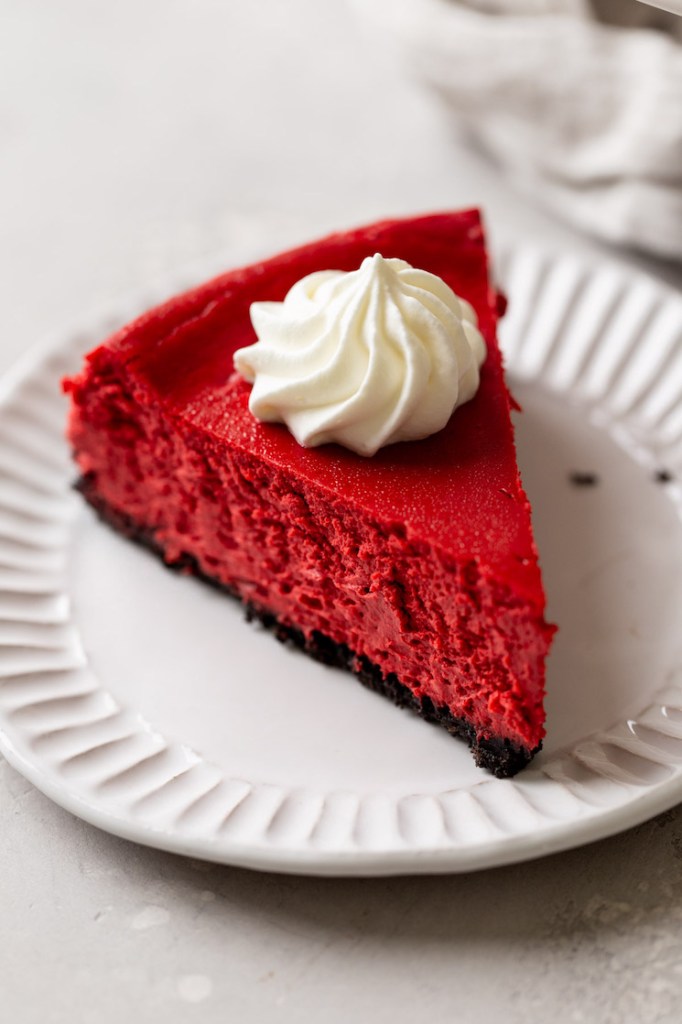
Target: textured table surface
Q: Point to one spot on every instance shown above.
(135, 138)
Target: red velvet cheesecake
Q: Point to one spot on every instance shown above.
(415, 569)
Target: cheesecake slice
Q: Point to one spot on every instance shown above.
(415, 569)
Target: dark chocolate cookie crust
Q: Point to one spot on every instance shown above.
(496, 754)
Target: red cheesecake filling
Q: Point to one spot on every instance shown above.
(420, 561)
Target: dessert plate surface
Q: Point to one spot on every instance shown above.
(142, 702)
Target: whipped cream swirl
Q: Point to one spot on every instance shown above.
(382, 354)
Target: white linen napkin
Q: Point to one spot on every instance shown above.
(585, 112)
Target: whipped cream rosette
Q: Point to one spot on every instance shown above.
(382, 354)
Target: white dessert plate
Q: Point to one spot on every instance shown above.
(142, 702)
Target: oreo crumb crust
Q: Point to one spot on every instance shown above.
(581, 479)
(496, 754)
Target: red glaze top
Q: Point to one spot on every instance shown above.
(458, 490)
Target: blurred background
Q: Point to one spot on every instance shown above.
(138, 136)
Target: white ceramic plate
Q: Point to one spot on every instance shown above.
(143, 703)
